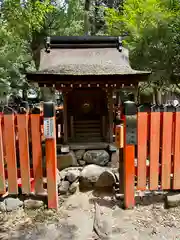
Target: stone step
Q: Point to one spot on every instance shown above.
(88, 122)
(93, 129)
(78, 139)
(87, 126)
(88, 134)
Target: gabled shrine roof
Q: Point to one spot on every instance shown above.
(97, 61)
(85, 56)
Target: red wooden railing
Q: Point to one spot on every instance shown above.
(158, 140)
(17, 132)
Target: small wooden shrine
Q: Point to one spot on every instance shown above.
(87, 70)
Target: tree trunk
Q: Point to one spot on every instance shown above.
(86, 16)
(25, 97)
(157, 96)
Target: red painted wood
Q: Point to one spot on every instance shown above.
(154, 149)
(129, 173)
(142, 134)
(166, 149)
(51, 169)
(9, 134)
(22, 126)
(37, 152)
(2, 175)
(176, 176)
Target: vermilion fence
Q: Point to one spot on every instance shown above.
(18, 135)
(158, 154)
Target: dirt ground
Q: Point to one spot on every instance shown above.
(90, 215)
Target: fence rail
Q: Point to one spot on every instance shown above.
(21, 138)
(158, 153)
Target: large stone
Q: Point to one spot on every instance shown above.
(115, 159)
(33, 204)
(79, 154)
(72, 175)
(66, 160)
(2, 207)
(82, 162)
(58, 178)
(172, 200)
(98, 157)
(63, 189)
(96, 176)
(12, 204)
(106, 180)
(64, 172)
(73, 187)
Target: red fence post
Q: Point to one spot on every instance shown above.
(176, 148)
(23, 139)
(166, 148)
(130, 132)
(10, 146)
(2, 174)
(37, 151)
(51, 159)
(154, 147)
(142, 135)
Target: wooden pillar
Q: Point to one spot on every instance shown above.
(51, 151)
(110, 109)
(104, 127)
(72, 127)
(130, 140)
(65, 117)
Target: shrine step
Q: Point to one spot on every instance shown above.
(88, 134)
(86, 125)
(87, 129)
(87, 121)
(88, 140)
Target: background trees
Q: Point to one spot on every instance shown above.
(153, 39)
(152, 28)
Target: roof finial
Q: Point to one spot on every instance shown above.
(120, 44)
(48, 41)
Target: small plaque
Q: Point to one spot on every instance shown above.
(131, 130)
(49, 128)
(119, 136)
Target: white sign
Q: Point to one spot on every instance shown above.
(49, 128)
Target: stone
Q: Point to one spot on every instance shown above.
(63, 189)
(66, 160)
(12, 204)
(89, 175)
(2, 207)
(73, 187)
(82, 162)
(172, 200)
(64, 172)
(72, 175)
(58, 178)
(98, 157)
(115, 159)
(106, 180)
(33, 204)
(79, 154)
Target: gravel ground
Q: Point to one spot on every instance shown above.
(75, 221)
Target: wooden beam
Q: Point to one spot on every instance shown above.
(65, 117)
(72, 126)
(110, 109)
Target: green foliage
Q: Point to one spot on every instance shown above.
(153, 28)
(153, 36)
(23, 26)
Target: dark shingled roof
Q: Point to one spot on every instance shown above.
(97, 61)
